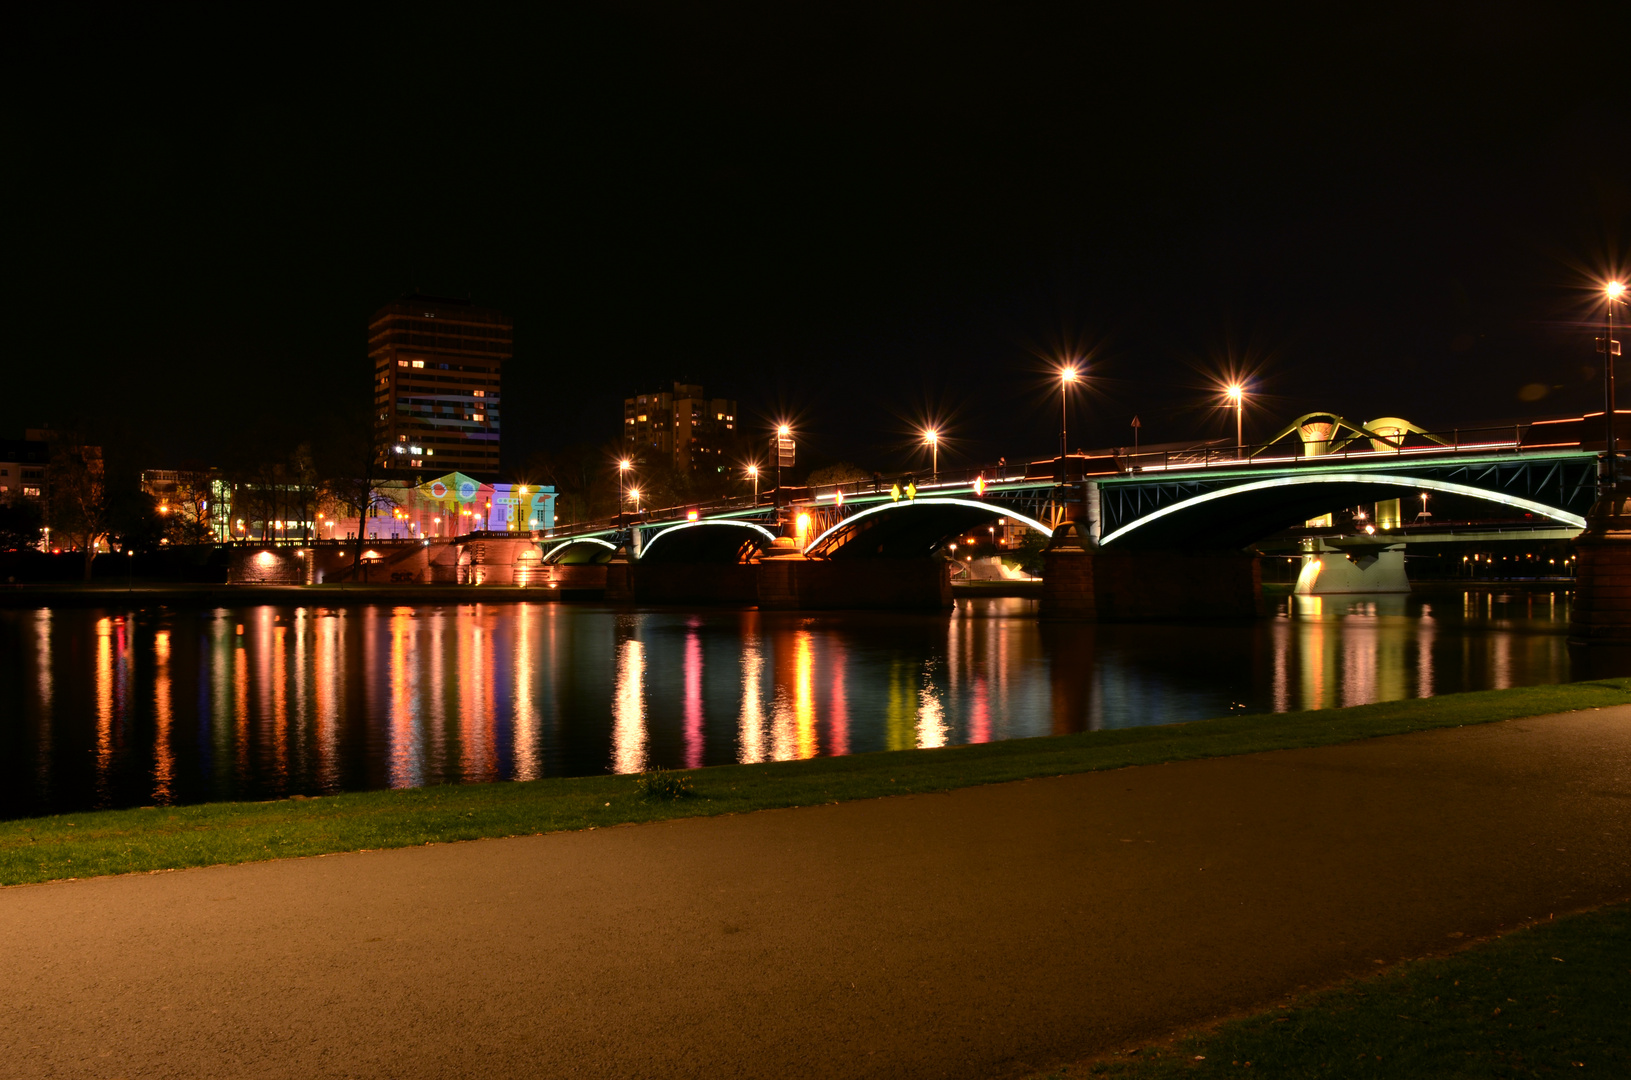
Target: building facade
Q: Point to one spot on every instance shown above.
(438, 375)
(24, 468)
(447, 506)
(685, 428)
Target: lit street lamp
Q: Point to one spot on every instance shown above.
(784, 441)
(932, 438)
(1067, 375)
(1237, 394)
(753, 471)
(1614, 293)
(622, 472)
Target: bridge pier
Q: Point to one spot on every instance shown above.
(1601, 615)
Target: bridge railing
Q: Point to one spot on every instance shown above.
(1505, 439)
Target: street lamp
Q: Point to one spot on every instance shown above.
(784, 433)
(634, 493)
(932, 438)
(1237, 394)
(1067, 375)
(753, 471)
(1614, 293)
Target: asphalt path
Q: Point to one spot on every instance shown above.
(983, 933)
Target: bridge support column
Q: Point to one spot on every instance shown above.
(1068, 569)
(1601, 615)
(620, 578)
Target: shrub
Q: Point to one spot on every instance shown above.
(661, 783)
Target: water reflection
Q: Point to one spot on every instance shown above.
(130, 707)
(629, 709)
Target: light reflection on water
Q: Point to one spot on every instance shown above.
(135, 707)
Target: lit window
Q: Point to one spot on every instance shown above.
(401, 363)
(728, 417)
(479, 393)
(418, 363)
(642, 418)
(478, 416)
(631, 420)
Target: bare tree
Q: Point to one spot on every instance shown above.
(79, 504)
(354, 476)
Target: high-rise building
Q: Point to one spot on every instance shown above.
(686, 428)
(438, 365)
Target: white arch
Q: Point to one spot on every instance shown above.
(994, 508)
(645, 549)
(1445, 486)
(577, 540)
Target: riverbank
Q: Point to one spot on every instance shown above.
(98, 843)
(103, 594)
(991, 932)
(1549, 998)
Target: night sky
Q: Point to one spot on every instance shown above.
(856, 217)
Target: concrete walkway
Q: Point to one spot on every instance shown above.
(977, 934)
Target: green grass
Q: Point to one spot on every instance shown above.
(134, 841)
(1551, 1000)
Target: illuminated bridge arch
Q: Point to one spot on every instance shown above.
(1234, 516)
(580, 551)
(911, 529)
(721, 540)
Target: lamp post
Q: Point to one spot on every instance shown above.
(1614, 292)
(634, 493)
(753, 471)
(783, 433)
(622, 471)
(1067, 375)
(932, 437)
(1237, 394)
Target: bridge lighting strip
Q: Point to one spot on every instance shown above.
(1443, 486)
(646, 547)
(577, 540)
(988, 507)
(1223, 463)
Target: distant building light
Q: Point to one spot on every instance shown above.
(418, 363)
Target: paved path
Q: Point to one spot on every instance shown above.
(975, 934)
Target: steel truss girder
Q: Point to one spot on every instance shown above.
(1565, 483)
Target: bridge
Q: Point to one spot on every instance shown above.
(1165, 529)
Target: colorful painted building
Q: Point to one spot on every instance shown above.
(449, 506)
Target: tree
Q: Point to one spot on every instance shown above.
(188, 519)
(79, 507)
(353, 474)
(841, 473)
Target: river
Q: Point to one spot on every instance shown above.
(143, 706)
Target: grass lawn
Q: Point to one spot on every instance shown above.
(1551, 1000)
(133, 841)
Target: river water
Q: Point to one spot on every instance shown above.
(143, 706)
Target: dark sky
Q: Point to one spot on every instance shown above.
(854, 216)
